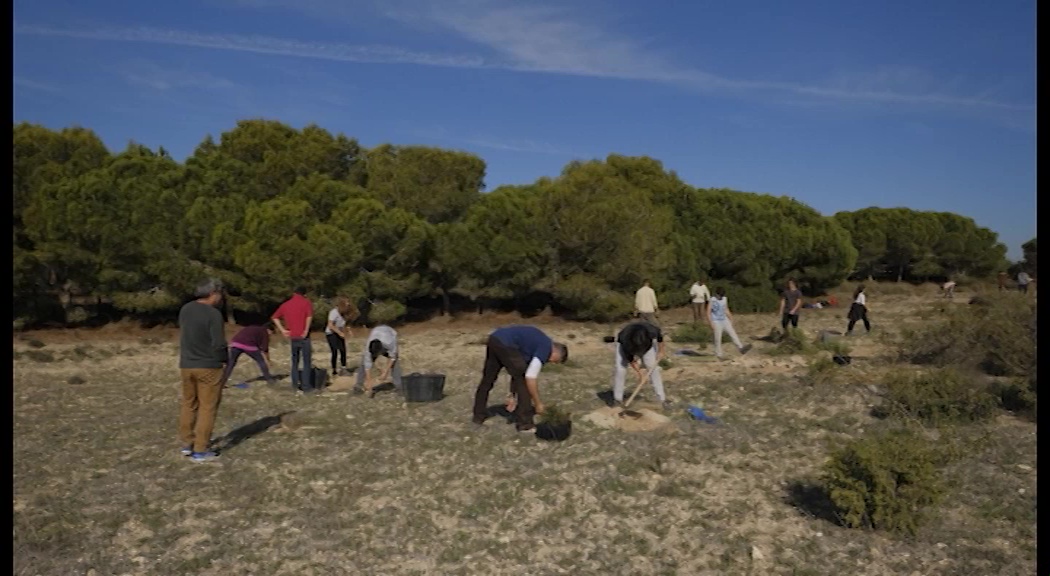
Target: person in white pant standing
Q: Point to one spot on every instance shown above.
(722, 320)
(639, 341)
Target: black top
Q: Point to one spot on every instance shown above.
(627, 340)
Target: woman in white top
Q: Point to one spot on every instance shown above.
(722, 320)
(337, 330)
(858, 310)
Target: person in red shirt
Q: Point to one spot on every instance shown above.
(292, 319)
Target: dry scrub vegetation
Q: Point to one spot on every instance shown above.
(814, 467)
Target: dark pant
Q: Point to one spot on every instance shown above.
(300, 347)
(499, 356)
(1023, 288)
(789, 318)
(235, 354)
(338, 346)
(858, 312)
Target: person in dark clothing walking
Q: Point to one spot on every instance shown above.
(255, 342)
(790, 302)
(858, 310)
(521, 351)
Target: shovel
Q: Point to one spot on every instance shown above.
(634, 413)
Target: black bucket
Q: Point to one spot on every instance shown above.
(553, 432)
(423, 387)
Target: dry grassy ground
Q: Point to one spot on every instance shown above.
(340, 484)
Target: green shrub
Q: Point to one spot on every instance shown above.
(834, 345)
(1018, 396)
(997, 338)
(697, 333)
(751, 299)
(935, 397)
(883, 482)
(555, 416)
(591, 299)
(793, 341)
(821, 370)
(385, 312)
(145, 302)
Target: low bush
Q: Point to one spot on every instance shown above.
(697, 333)
(385, 312)
(554, 415)
(936, 397)
(793, 341)
(884, 482)
(835, 345)
(821, 370)
(997, 338)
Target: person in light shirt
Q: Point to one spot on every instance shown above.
(645, 303)
(858, 310)
(701, 296)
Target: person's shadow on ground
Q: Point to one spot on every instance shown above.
(238, 435)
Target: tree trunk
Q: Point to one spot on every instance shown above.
(900, 273)
(446, 303)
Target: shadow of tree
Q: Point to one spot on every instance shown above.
(238, 435)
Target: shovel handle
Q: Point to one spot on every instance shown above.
(638, 388)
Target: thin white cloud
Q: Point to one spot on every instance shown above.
(260, 45)
(152, 75)
(525, 39)
(440, 134)
(34, 85)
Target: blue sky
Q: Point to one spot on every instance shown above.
(841, 104)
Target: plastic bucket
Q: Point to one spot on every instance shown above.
(423, 387)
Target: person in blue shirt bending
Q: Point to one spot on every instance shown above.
(522, 351)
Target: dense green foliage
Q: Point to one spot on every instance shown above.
(903, 244)
(884, 482)
(940, 396)
(267, 207)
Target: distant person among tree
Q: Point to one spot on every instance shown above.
(381, 341)
(948, 288)
(298, 312)
(1022, 281)
(337, 331)
(790, 303)
(202, 352)
(858, 310)
(1003, 276)
(645, 303)
(522, 351)
(701, 296)
(721, 319)
(639, 341)
(255, 342)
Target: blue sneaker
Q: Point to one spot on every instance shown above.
(186, 450)
(203, 456)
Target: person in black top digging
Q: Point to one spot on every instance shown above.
(639, 341)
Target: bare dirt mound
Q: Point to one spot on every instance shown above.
(609, 418)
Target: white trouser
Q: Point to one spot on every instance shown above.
(620, 373)
(719, 326)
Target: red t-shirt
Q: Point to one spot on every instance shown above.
(296, 313)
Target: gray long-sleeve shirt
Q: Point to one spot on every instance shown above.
(202, 343)
(386, 335)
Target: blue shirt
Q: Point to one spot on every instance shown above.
(718, 309)
(529, 340)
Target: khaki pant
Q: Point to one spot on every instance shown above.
(201, 392)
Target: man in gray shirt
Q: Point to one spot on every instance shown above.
(381, 341)
(202, 355)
